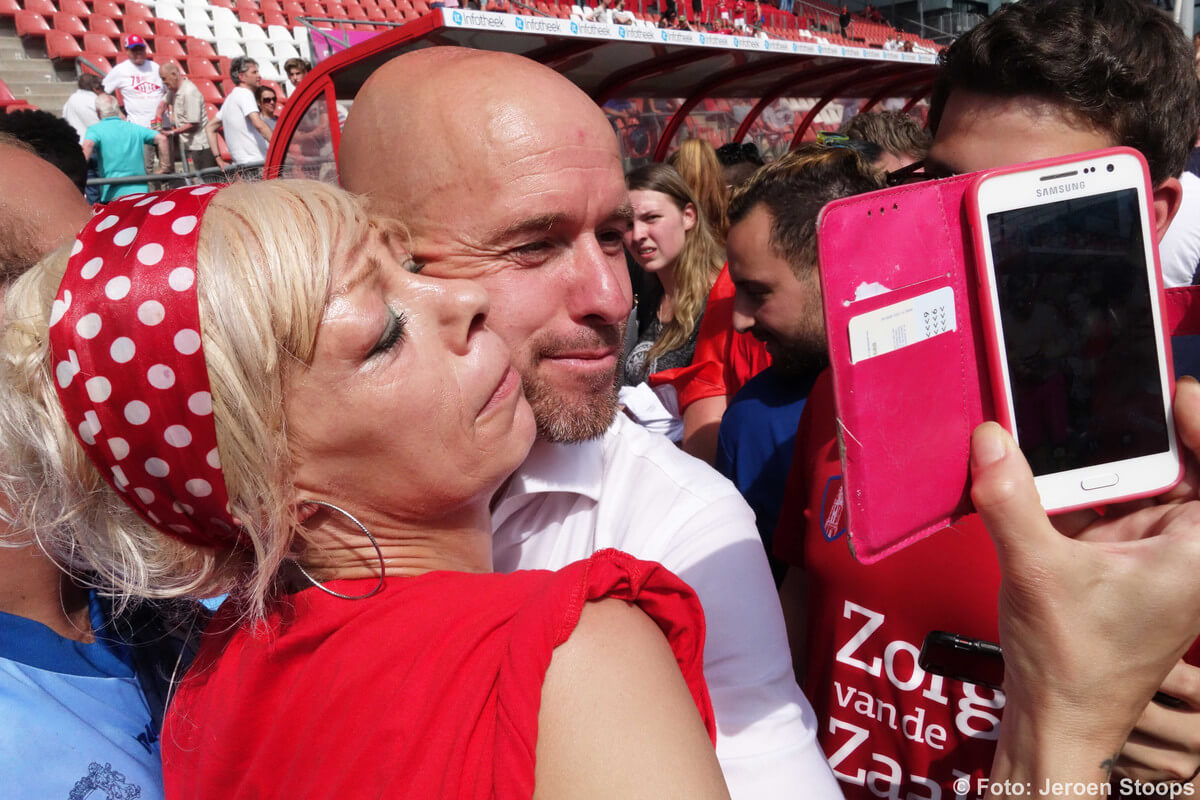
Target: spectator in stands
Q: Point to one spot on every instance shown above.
(601, 13)
(118, 146)
(1039, 78)
(137, 82)
(621, 15)
(844, 21)
(548, 247)
(667, 13)
(52, 138)
(268, 105)
(430, 678)
(738, 162)
(739, 17)
(296, 69)
(900, 136)
(187, 118)
(697, 163)
(245, 132)
(82, 710)
(80, 108)
(672, 240)
(772, 250)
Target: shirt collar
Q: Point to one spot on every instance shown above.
(553, 468)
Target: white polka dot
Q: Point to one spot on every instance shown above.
(89, 270)
(161, 376)
(137, 412)
(149, 199)
(107, 222)
(65, 371)
(88, 326)
(181, 279)
(151, 312)
(182, 508)
(200, 404)
(180, 528)
(119, 447)
(145, 495)
(76, 248)
(184, 225)
(122, 350)
(60, 307)
(213, 458)
(119, 477)
(187, 341)
(158, 209)
(204, 190)
(154, 518)
(198, 487)
(98, 388)
(125, 236)
(177, 436)
(150, 254)
(117, 288)
(89, 427)
(157, 467)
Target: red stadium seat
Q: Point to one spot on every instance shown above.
(93, 63)
(43, 7)
(60, 45)
(76, 7)
(164, 27)
(200, 48)
(223, 64)
(100, 44)
(202, 68)
(249, 15)
(107, 8)
(136, 11)
(9, 8)
(226, 86)
(208, 90)
(30, 23)
(275, 17)
(101, 23)
(141, 27)
(169, 47)
(210, 111)
(221, 4)
(69, 24)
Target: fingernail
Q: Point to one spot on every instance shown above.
(989, 445)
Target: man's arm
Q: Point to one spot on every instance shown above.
(210, 131)
(88, 145)
(256, 120)
(164, 153)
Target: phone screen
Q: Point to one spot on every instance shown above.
(1074, 299)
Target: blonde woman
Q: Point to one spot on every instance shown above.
(697, 163)
(253, 391)
(673, 242)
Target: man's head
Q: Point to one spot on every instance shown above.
(903, 141)
(39, 209)
(243, 71)
(135, 46)
(172, 76)
(772, 248)
(107, 106)
(1044, 78)
(90, 82)
(296, 69)
(52, 138)
(518, 185)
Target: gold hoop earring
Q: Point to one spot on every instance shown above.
(375, 544)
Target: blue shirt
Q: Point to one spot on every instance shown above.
(755, 442)
(119, 151)
(76, 722)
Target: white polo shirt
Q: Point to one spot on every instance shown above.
(635, 491)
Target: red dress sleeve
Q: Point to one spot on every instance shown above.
(547, 619)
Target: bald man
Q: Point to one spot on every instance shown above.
(518, 184)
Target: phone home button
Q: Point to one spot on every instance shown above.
(1099, 482)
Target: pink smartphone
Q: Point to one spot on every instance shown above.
(1071, 302)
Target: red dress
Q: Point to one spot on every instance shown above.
(429, 689)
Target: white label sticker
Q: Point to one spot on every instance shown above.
(901, 324)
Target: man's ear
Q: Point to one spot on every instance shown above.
(1168, 196)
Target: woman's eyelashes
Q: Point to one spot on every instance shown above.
(392, 335)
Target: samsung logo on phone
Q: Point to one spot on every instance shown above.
(1060, 189)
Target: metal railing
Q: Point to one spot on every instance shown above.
(187, 178)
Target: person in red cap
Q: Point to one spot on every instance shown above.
(140, 86)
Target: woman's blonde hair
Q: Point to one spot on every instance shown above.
(696, 161)
(699, 262)
(264, 261)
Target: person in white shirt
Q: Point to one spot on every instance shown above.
(548, 247)
(1179, 250)
(138, 81)
(240, 119)
(80, 108)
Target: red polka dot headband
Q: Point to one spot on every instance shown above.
(129, 368)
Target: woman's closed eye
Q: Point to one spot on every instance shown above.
(392, 335)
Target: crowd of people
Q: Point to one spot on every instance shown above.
(408, 439)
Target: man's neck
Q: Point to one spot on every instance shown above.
(31, 586)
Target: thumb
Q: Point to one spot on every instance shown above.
(1007, 499)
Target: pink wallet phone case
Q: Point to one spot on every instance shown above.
(909, 357)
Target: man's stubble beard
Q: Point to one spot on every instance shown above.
(563, 419)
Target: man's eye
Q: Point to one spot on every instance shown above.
(614, 239)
